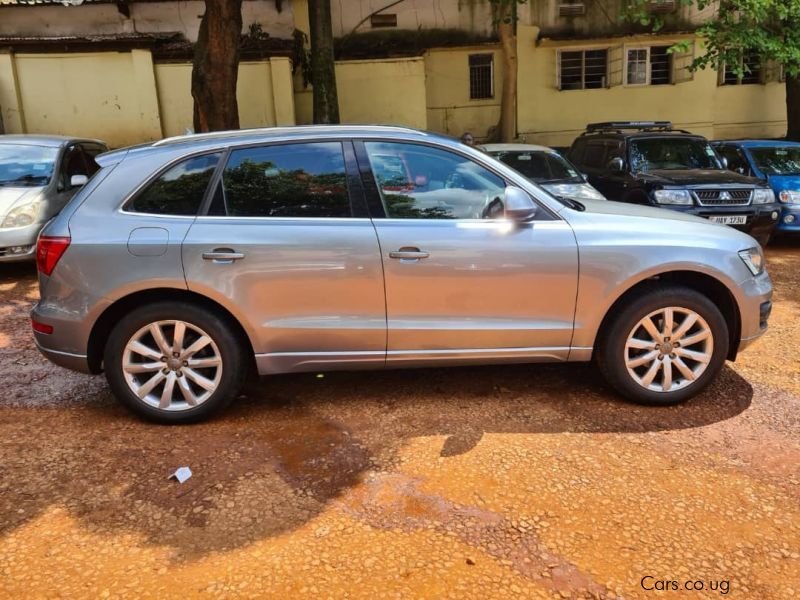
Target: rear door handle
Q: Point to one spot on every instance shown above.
(223, 255)
(409, 254)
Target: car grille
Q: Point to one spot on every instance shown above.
(723, 197)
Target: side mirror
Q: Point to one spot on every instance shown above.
(518, 204)
(78, 181)
(724, 162)
(616, 165)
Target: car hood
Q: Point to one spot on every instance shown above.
(688, 177)
(784, 182)
(608, 207)
(9, 196)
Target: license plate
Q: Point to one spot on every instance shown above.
(729, 219)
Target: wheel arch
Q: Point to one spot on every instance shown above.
(708, 285)
(105, 322)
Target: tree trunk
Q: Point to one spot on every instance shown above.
(793, 108)
(505, 17)
(215, 69)
(323, 73)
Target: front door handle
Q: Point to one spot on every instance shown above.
(409, 254)
(223, 256)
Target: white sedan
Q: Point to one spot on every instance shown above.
(546, 167)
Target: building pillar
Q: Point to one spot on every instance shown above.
(282, 90)
(146, 94)
(12, 115)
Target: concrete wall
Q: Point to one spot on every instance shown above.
(449, 107)
(109, 95)
(264, 93)
(470, 15)
(146, 17)
(552, 117)
(386, 92)
(123, 98)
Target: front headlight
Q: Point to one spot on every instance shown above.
(22, 215)
(673, 197)
(789, 197)
(753, 259)
(763, 196)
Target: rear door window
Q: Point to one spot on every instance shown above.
(286, 180)
(179, 190)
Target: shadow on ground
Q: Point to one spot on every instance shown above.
(277, 457)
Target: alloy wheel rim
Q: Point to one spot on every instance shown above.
(172, 365)
(669, 349)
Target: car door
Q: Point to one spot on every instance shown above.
(288, 247)
(462, 284)
(593, 164)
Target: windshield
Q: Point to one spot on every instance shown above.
(538, 166)
(659, 153)
(26, 165)
(777, 161)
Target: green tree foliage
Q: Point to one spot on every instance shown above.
(769, 28)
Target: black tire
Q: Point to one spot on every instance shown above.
(610, 355)
(231, 350)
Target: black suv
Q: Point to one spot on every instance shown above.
(649, 162)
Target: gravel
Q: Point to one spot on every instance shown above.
(513, 481)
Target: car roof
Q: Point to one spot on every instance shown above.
(516, 148)
(34, 139)
(760, 143)
(219, 140)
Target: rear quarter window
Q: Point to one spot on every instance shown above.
(178, 191)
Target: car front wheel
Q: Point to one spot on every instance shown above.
(664, 346)
(174, 363)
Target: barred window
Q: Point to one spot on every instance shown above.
(649, 66)
(583, 69)
(481, 76)
(750, 65)
(660, 65)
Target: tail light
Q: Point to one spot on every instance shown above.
(41, 327)
(49, 250)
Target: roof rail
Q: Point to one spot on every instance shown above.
(236, 133)
(635, 125)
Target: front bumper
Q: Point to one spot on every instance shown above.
(16, 237)
(760, 219)
(791, 224)
(755, 305)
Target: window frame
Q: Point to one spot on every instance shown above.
(647, 76)
(583, 50)
(140, 189)
(470, 68)
(373, 195)
(355, 191)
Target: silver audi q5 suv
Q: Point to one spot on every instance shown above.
(186, 262)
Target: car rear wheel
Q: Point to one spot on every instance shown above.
(664, 346)
(174, 363)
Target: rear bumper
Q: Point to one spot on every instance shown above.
(75, 362)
